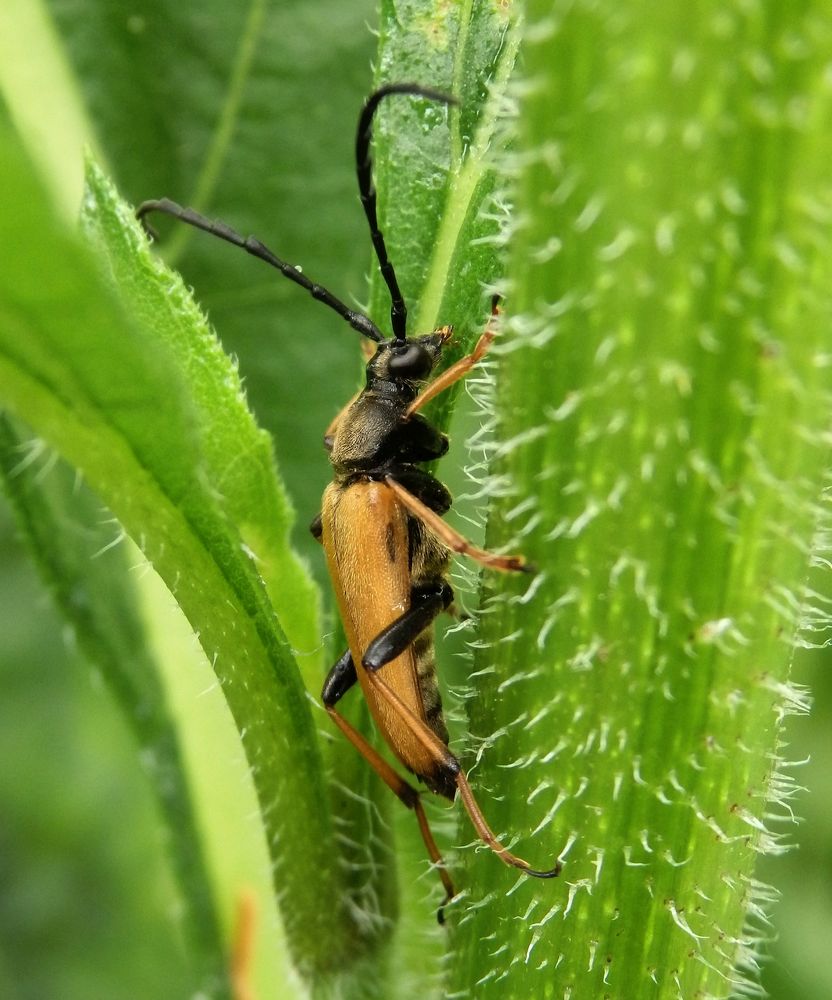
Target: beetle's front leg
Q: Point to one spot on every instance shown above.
(329, 433)
(316, 527)
(425, 604)
(339, 680)
(461, 368)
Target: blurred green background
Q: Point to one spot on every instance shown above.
(87, 903)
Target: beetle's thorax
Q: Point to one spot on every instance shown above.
(363, 440)
(369, 434)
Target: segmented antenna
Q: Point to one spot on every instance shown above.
(367, 190)
(357, 320)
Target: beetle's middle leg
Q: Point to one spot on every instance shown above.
(451, 537)
(339, 680)
(329, 433)
(425, 604)
(448, 762)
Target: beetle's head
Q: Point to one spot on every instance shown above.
(403, 363)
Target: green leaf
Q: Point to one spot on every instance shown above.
(235, 454)
(436, 184)
(246, 113)
(88, 574)
(662, 456)
(660, 402)
(127, 413)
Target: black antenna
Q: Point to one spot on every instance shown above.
(367, 190)
(358, 321)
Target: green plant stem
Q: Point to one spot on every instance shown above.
(662, 458)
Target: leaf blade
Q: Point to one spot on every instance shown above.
(115, 409)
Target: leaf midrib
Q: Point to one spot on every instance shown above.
(465, 176)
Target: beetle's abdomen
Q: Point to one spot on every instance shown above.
(424, 654)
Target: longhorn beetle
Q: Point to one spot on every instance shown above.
(387, 547)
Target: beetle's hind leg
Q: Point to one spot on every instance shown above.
(339, 680)
(448, 762)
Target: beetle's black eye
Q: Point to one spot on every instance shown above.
(410, 361)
